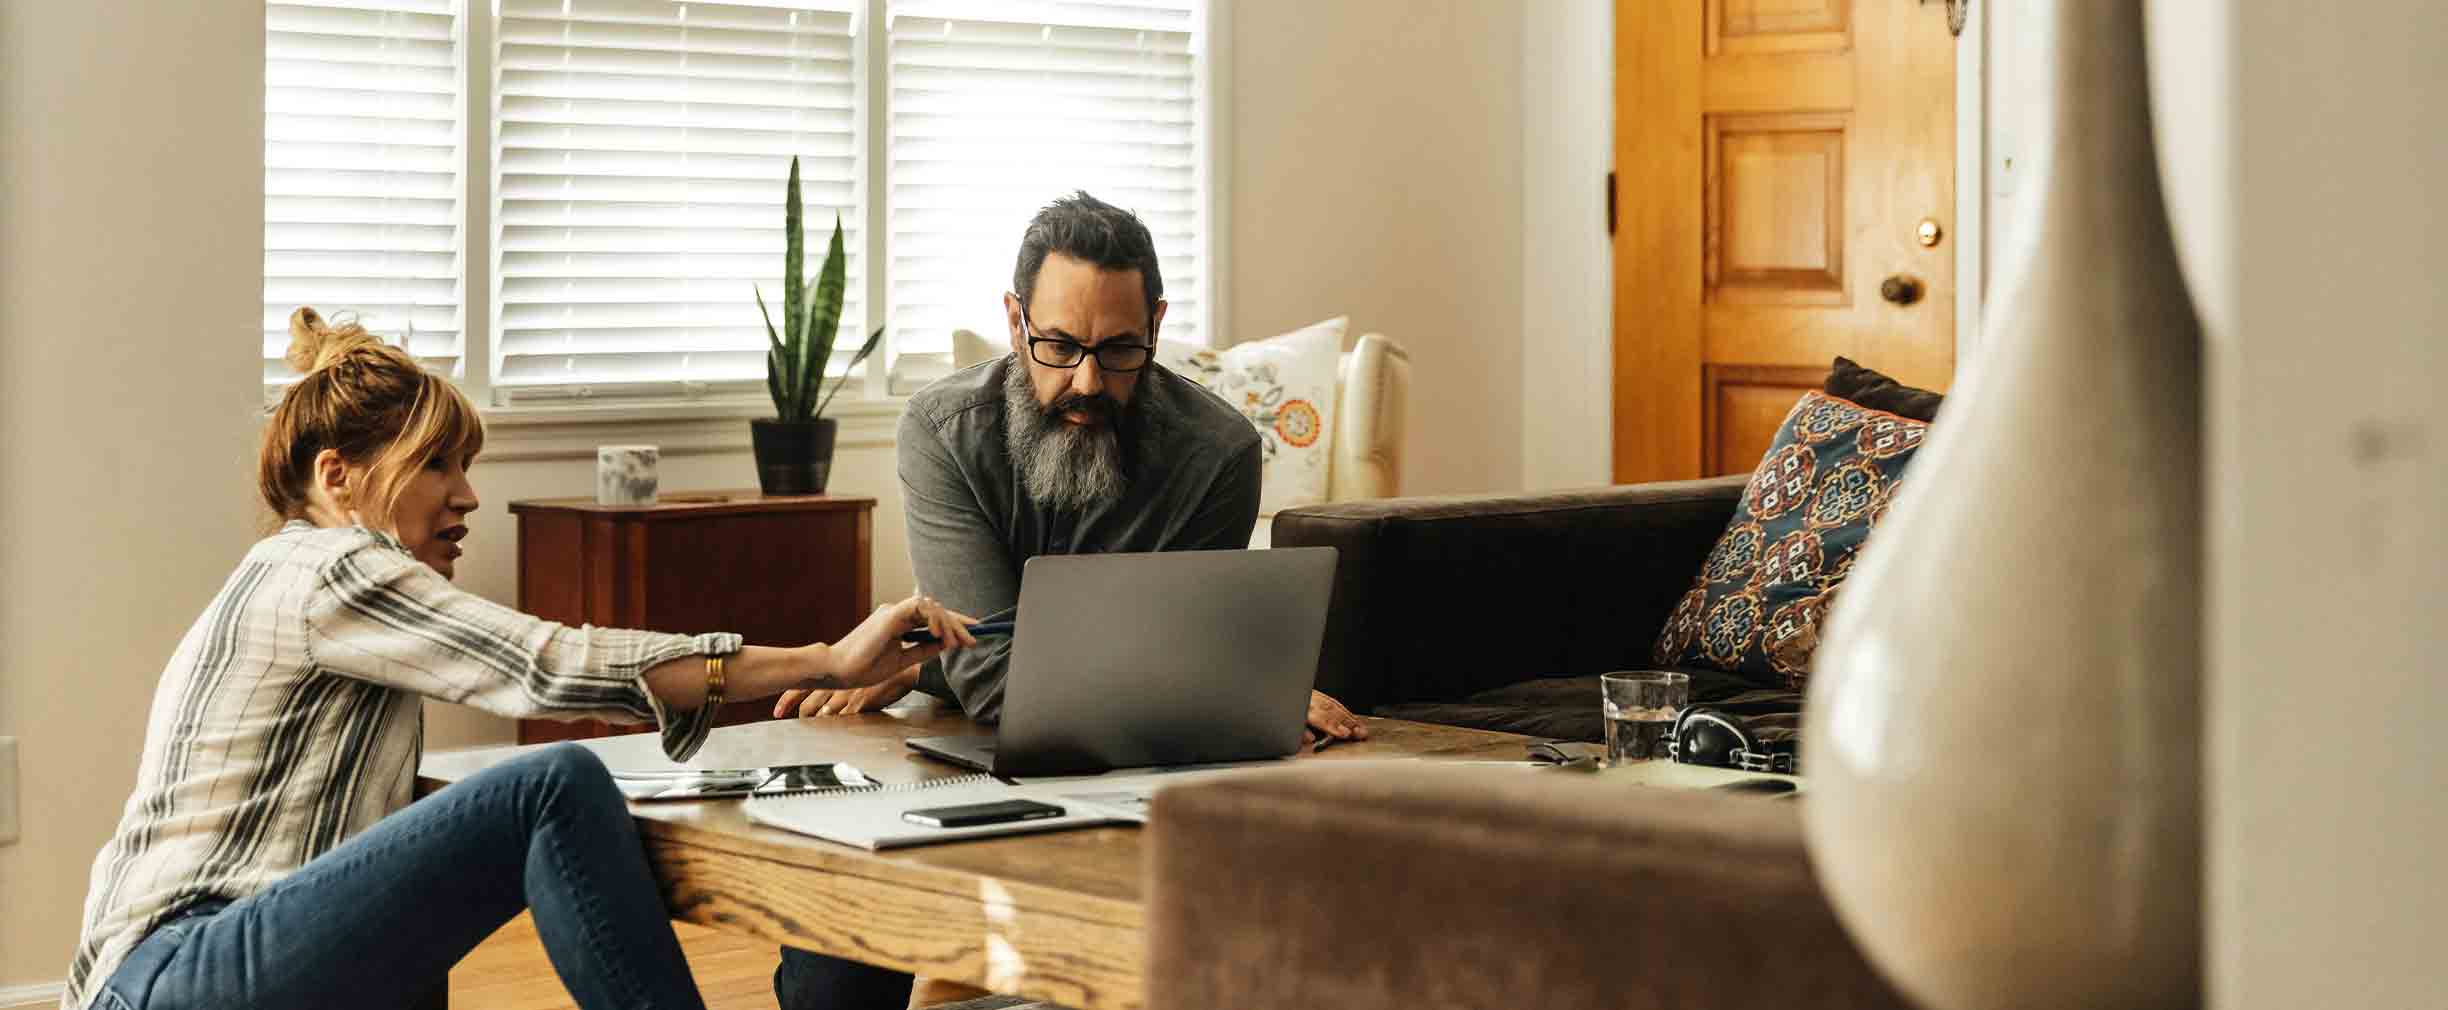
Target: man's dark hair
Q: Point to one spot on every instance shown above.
(1086, 228)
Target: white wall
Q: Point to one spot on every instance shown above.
(131, 239)
(1568, 295)
(2013, 119)
(2304, 148)
(1376, 171)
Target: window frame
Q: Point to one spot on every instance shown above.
(568, 429)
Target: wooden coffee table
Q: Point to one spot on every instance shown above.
(1052, 917)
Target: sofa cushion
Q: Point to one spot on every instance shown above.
(1757, 604)
(1872, 389)
(1546, 722)
(1566, 708)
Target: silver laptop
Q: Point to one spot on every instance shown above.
(1134, 660)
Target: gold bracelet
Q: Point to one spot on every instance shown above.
(714, 680)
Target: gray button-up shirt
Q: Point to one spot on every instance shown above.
(971, 525)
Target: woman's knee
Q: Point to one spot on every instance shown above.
(570, 768)
(566, 782)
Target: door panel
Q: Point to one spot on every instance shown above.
(1771, 334)
(1776, 26)
(1775, 159)
(1746, 404)
(1763, 83)
(1773, 195)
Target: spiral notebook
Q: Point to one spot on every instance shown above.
(870, 818)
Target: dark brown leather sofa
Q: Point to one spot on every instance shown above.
(1404, 886)
(1501, 612)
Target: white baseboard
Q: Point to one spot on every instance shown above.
(42, 994)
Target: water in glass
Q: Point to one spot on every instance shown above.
(1636, 733)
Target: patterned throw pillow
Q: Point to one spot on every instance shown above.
(1758, 602)
(1285, 385)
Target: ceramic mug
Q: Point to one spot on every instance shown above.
(625, 474)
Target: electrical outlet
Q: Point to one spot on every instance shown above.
(8, 790)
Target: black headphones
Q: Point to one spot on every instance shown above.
(1708, 736)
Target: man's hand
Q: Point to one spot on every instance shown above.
(808, 704)
(1329, 717)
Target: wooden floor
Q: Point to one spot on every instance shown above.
(509, 972)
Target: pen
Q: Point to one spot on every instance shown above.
(1323, 743)
(987, 629)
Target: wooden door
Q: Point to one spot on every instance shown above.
(1775, 160)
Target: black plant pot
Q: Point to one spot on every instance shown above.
(792, 457)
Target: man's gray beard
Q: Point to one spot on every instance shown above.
(1061, 465)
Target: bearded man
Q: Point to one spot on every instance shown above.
(1077, 442)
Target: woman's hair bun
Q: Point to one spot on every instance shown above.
(315, 345)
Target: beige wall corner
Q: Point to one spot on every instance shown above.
(131, 252)
(1567, 334)
(1376, 172)
(2330, 433)
(2302, 151)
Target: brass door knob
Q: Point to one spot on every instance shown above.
(1900, 289)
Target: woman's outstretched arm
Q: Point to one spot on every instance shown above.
(869, 654)
(379, 615)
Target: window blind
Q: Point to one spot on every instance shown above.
(362, 171)
(999, 107)
(640, 152)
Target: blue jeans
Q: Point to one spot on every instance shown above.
(809, 981)
(380, 920)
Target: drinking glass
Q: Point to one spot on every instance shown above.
(1641, 707)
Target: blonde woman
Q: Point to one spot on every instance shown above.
(269, 856)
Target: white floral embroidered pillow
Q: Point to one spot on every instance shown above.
(1285, 385)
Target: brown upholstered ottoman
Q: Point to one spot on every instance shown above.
(1386, 886)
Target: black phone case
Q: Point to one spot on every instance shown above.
(979, 814)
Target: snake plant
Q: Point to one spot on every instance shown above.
(811, 318)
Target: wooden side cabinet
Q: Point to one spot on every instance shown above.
(778, 570)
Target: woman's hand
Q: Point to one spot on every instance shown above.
(869, 656)
(873, 652)
(808, 704)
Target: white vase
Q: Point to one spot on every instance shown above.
(2004, 723)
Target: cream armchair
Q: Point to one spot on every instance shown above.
(1372, 390)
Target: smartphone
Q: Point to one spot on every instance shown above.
(987, 629)
(974, 814)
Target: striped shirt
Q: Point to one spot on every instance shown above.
(288, 720)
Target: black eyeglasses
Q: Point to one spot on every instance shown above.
(1058, 352)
